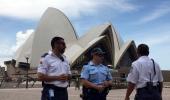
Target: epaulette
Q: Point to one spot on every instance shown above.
(44, 55)
(86, 63)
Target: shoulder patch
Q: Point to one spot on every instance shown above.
(85, 63)
(131, 69)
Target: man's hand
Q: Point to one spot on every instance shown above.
(107, 83)
(44, 77)
(100, 88)
(63, 77)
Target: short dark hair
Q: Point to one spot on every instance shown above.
(55, 40)
(143, 50)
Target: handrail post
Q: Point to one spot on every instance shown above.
(27, 73)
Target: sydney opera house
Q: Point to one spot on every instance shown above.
(119, 54)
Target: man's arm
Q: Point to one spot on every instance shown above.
(130, 88)
(109, 79)
(132, 80)
(88, 84)
(107, 83)
(44, 77)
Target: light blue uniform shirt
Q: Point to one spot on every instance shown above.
(96, 74)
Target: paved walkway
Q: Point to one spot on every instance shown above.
(34, 94)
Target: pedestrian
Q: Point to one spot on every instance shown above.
(96, 77)
(146, 76)
(55, 71)
(77, 82)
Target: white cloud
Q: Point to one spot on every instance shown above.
(155, 36)
(7, 51)
(121, 5)
(4, 59)
(21, 37)
(155, 40)
(32, 9)
(160, 37)
(162, 10)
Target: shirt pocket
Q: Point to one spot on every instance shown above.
(103, 74)
(93, 75)
(53, 67)
(65, 67)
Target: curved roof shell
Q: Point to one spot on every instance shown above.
(55, 23)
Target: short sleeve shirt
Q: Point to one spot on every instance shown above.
(51, 65)
(96, 74)
(142, 71)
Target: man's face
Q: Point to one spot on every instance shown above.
(60, 46)
(99, 57)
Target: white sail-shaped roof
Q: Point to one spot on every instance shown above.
(24, 50)
(123, 50)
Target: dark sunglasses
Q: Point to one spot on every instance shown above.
(100, 55)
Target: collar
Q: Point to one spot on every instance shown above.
(52, 54)
(144, 57)
(92, 64)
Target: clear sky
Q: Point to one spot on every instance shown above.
(144, 21)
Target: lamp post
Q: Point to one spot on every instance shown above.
(27, 72)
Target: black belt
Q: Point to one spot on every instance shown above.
(54, 87)
(94, 91)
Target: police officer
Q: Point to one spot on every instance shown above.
(55, 71)
(95, 77)
(146, 76)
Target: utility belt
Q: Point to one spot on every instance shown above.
(149, 88)
(87, 91)
(96, 91)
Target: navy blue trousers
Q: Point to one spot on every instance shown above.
(92, 94)
(51, 92)
(96, 96)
